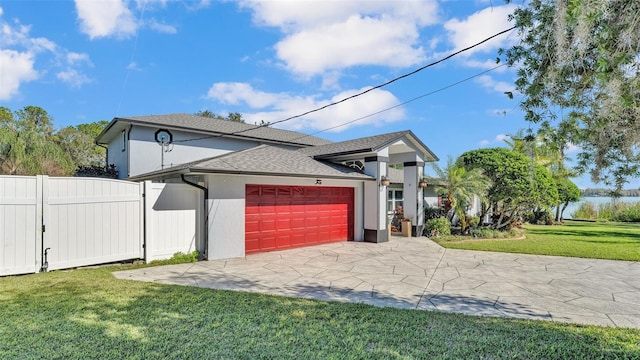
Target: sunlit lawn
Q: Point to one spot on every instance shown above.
(600, 240)
(89, 314)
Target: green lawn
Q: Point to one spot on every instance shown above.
(599, 240)
(89, 314)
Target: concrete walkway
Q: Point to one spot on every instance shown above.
(416, 273)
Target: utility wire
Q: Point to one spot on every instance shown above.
(395, 79)
(133, 54)
(402, 103)
(362, 92)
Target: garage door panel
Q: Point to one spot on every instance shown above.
(267, 225)
(280, 217)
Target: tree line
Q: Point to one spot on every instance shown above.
(599, 192)
(30, 145)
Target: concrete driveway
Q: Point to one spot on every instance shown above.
(416, 273)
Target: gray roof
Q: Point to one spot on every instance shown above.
(220, 127)
(264, 160)
(363, 145)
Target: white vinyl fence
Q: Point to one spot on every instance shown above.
(50, 223)
(174, 222)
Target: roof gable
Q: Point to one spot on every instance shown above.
(218, 127)
(367, 145)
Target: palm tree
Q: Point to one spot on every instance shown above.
(459, 185)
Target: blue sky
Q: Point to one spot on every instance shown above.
(85, 61)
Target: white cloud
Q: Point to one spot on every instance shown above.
(134, 66)
(74, 58)
(162, 28)
(499, 86)
(325, 36)
(342, 45)
(270, 107)
(21, 52)
(499, 139)
(16, 68)
(479, 26)
(73, 77)
(572, 149)
(106, 18)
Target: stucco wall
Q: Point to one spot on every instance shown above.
(116, 156)
(147, 153)
(430, 197)
(226, 207)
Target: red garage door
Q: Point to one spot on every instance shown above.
(281, 217)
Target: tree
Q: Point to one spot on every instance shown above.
(459, 185)
(581, 56)
(27, 146)
(517, 186)
(79, 142)
(567, 192)
(207, 113)
(235, 116)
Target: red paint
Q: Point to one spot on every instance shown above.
(280, 217)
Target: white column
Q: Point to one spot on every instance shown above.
(375, 200)
(413, 195)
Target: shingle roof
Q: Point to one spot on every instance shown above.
(365, 144)
(221, 126)
(265, 160)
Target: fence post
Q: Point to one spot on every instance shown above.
(148, 219)
(42, 213)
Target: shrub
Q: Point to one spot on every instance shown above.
(630, 213)
(437, 227)
(487, 233)
(473, 221)
(178, 258)
(539, 217)
(433, 213)
(586, 211)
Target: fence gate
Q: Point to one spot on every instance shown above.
(20, 224)
(49, 223)
(91, 221)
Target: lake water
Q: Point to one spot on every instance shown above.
(572, 207)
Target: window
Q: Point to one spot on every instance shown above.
(124, 140)
(394, 199)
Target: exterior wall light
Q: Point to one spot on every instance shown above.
(422, 183)
(318, 182)
(384, 181)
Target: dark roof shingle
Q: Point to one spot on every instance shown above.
(265, 160)
(365, 144)
(224, 127)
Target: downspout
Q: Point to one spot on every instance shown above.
(128, 149)
(206, 214)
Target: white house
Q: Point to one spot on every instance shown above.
(270, 189)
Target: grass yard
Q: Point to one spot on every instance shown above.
(598, 240)
(89, 314)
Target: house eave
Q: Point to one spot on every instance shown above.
(201, 171)
(212, 134)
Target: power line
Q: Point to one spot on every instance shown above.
(394, 79)
(402, 103)
(360, 93)
(133, 53)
